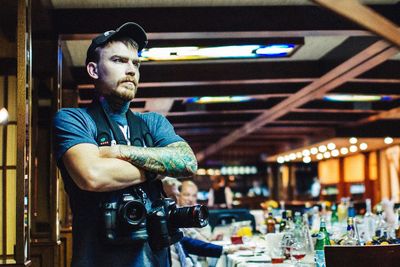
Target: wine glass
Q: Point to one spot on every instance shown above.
(297, 253)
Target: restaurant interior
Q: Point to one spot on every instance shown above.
(300, 98)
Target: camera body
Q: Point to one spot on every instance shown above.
(126, 221)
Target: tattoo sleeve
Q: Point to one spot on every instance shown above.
(176, 159)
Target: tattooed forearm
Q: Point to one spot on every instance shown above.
(176, 159)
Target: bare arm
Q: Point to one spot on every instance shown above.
(94, 173)
(176, 160)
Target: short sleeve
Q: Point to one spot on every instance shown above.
(72, 127)
(160, 129)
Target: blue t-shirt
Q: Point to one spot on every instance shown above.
(74, 126)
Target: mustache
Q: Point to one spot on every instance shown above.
(127, 79)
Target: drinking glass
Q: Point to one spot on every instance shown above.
(297, 253)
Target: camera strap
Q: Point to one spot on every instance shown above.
(109, 132)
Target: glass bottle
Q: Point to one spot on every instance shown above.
(350, 238)
(398, 226)
(369, 221)
(270, 222)
(322, 241)
(342, 210)
(282, 223)
(334, 215)
(351, 211)
(306, 231)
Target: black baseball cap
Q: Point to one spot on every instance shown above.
(129, 29)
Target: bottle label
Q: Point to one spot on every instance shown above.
(321, 236)
(319, 258)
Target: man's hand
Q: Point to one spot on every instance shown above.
(176, 160)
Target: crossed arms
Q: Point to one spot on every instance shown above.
(114, 167)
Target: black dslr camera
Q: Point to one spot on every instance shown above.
(165, 218)
(125, 221)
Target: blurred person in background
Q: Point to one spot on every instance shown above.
(220, 194)
(186, 252)
(258, 190)
(188, 197)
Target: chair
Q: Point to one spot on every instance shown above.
(227, 216)
(362, 256)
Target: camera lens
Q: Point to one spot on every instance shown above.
(193, 216)
(133, 212)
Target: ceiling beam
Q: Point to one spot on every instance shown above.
(297, 110)
(363, 61)
(242, 82)
(389, 114)
(365, 17)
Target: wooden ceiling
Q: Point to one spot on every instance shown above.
(336, 56)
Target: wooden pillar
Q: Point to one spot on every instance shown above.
(342, 190)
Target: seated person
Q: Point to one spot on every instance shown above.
(258, 190)
(181, 250)
(188, 197)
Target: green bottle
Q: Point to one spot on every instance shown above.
(334, 216)
(322, 241)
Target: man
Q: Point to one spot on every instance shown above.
(188, 197)
(95, 173)
(193, 242)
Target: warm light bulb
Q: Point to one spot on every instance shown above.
(327, 155)
(314, 150)
(292, 156)
(280, 159)
(344, 150)
(307, 159)
(299, 155)
(335, 153)
(353, 140)
(320, 156)
(3, 116)
(363, 146)
(322, 148)
(388, 140)
(331, 146)
(353, 148)
(306, 152)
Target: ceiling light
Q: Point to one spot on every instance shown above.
(280, 159)
(335, 153)
(3, 116)
(306, 152)
(320, 156)
(299, 155)
(306, 159)
(331, 146)
(327, 155)
(388, 140)
(356, 98)
(217, 52)
(322, 148)
(218, 99)
(314, 150)
(363, 146)
(201, 172)
(344, 150)
(292, 156)
(353, 148)
(353, 140)
(287, 158)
